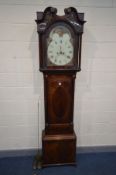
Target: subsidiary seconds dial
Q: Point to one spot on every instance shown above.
(60, 49)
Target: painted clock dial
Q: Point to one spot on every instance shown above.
(60, 49)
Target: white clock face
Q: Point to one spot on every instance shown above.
(60, 48)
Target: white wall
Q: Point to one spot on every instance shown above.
(21, 85)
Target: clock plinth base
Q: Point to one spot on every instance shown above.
(58, 149)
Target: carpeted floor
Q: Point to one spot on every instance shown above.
(87, 164)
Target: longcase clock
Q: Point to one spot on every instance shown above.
(60, 40)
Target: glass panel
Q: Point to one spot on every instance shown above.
(60, 46)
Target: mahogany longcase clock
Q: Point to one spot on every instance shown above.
(60, 40)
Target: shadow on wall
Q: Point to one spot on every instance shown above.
(37, 82)
(83, 82)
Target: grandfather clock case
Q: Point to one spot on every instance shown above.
(60, 39)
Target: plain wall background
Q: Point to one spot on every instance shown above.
(21, 84)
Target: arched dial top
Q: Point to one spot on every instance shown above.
(60, 49)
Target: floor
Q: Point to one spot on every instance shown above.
(87, 164)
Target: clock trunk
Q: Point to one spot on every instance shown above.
(59, 139)
(59, 100)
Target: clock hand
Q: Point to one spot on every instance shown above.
(60, 50)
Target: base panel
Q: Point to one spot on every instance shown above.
(58, 149)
